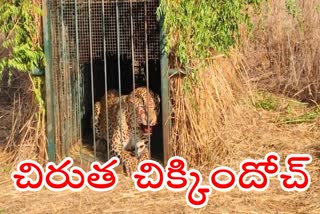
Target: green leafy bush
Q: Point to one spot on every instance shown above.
(19, 48)
(196, 29)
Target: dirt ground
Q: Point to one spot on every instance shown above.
(255, 140)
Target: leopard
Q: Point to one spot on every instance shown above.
(131, 119)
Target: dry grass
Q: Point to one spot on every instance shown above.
(38, 35)
(216, 122)
(201, 107)
(254, 139)
(24, 137)
(235, 127)
(284, 53)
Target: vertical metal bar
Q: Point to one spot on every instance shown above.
(133, 78)
(66, 81)
(164, 94)
(147, 67)
(68, 103)
(119, 69)
(63, 54)
(49, 79)
(92, 87)
(105, 74)
(78, 78)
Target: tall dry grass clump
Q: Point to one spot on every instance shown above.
(26, 137)
(284, 53)
(201, 106)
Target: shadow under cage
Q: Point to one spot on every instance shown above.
(95, 46)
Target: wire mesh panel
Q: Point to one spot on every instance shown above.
(96, 46)
(110, 26)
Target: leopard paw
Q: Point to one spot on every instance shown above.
(129, 163)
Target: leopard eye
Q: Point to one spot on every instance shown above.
(141, 106)
(141, 109)
(141, 146)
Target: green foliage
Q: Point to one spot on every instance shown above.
(197, 28)
(37, 83)
(297, 112)
(18, 28)
(266, 101)
(289, 111)
(307, 117)
(19, 42)
(5, 168)
(292, 8)
(317, 8)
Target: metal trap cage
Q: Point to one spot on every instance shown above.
(92, 46)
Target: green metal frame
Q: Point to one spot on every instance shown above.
(48, 80)
(165, 98)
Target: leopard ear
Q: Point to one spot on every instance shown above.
(130, 98)
(158, 98)
(135, 99)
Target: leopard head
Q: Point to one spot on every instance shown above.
(147, 106)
